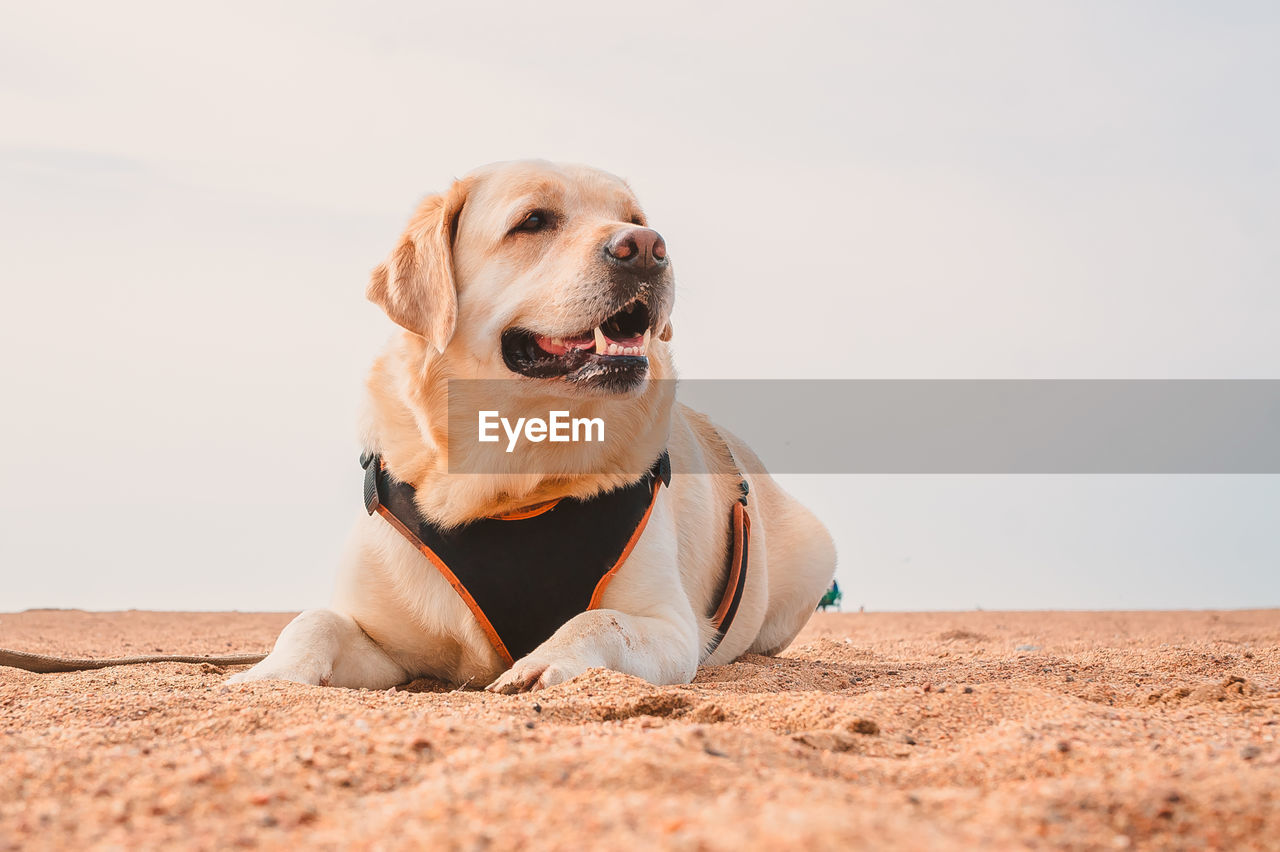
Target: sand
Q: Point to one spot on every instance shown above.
(895, 731)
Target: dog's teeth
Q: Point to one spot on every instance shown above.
(644, 344)
(602, 343)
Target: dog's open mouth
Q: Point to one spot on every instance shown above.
(613, 355)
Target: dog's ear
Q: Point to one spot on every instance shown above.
(415, 286)
(665, 334)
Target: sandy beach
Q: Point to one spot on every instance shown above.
(895, 731)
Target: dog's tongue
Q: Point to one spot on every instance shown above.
(561, 345)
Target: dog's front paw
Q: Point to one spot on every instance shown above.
(264, 672)
(529, 675)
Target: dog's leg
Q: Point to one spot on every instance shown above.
(659, 649)
(326, 648)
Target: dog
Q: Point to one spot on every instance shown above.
(544, 285)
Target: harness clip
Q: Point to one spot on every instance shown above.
(372, 463)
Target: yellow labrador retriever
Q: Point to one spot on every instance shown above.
(533, 286)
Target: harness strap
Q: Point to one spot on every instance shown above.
(735, 581)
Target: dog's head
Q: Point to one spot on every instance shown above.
(532, 270)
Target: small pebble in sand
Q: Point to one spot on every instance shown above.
(863, 726)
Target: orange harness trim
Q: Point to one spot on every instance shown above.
(598, 592)
(526, 512)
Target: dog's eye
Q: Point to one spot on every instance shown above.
(637, 221)
(538, 220)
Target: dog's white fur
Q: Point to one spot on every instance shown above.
(456, 280)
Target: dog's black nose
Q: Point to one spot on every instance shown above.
(639, 249)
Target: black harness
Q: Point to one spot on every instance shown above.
(525, 574)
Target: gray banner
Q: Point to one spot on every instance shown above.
(923, 426)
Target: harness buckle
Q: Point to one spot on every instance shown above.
(372, 464)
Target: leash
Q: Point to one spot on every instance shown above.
(45, 664)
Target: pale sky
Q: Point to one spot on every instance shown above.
(192, 199)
